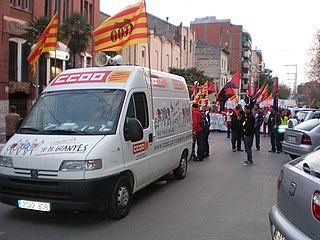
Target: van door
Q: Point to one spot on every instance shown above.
(138, 155)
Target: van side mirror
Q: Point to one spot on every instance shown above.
(133, 130)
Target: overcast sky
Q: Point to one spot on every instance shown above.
(282, 29)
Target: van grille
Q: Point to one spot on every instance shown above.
(35, 194)
(24, 172)
(35, 189)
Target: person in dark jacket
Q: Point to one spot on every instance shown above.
(248, 132)
(273, 124)
(206, 111)
(236, 128)
(256, 112)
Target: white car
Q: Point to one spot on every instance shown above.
(303, 115)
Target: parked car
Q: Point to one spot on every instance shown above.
(295, 110)
(302, 139)
(302, 116)
(296, 216)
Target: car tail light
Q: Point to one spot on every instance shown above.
(280, 180)
(316, 205)
(306, 139)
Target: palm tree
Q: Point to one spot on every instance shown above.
(32, 34)
(78, 32)
(35, 29)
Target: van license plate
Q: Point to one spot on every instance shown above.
(33, 205)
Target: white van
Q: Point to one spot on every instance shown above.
(96, 136)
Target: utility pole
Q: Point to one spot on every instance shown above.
(295, 78)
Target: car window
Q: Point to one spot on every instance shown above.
(316, 115)
(301, 115)
(311, 159)
(308, 125)
(138, 109)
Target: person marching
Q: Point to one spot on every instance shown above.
(273, 130)
(236, 129)
(283, 120)
(198, 131)
(205, 124)
(11, 120)
(258, 119)
(228, 117)
(248, 132)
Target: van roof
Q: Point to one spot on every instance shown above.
(121, 77)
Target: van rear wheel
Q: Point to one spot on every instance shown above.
(181, 171)
(120, 199)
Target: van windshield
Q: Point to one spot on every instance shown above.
(75, 112)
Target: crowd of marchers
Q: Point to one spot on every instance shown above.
(244, 127)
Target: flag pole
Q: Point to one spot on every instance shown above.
(149, 60)
(37, 80)
(55, 62)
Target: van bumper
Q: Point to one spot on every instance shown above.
(73, 195)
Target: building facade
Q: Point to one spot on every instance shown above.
(231, 37)
(170, 47)
(213, 61)
(307, 93)
(17, 86)
(257, 67)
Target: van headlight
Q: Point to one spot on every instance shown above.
(79, 165)
(6, 162)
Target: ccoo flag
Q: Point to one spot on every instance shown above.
(47, 42)
(125, 28)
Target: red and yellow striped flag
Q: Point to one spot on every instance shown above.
(125, 28)
(234, 97)
(47, 42)
(264, 94)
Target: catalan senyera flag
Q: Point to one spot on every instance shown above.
(270, 97)
(123, 29)
(46, 42)
(264, 94)
(234, 97)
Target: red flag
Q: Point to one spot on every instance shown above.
(194, 88)
(234, 82)
(275, 98)
(195, 85)
(249, 93)
(217, 92)
(311, 105)
(262, 88)
(211, 87)
(276, 86)
(255, 90)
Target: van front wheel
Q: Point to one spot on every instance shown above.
(181, 171)
(120, 199)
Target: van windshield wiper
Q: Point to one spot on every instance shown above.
(307, 169)
(30, 129)
(64, 131)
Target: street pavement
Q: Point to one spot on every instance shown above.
(218, 200)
